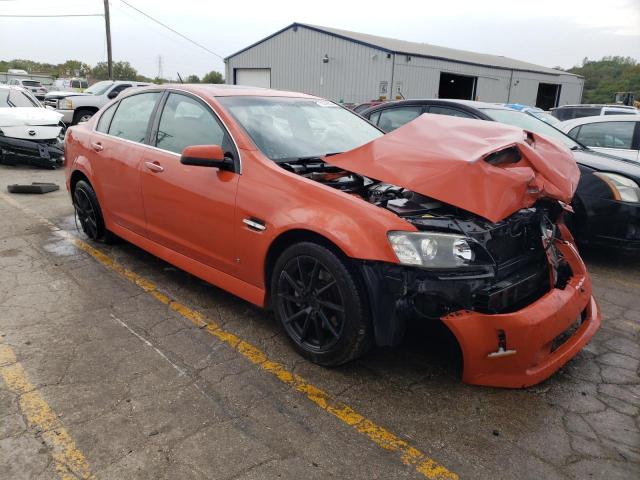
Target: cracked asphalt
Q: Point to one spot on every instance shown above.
(140, 392)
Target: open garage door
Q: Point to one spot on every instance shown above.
(253, 77)
(462, 87)
(548, 96)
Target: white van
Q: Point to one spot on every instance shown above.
(70, 85)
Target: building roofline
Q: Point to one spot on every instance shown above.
(378, 47)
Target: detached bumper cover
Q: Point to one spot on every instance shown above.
(15, 151)
(534, 337)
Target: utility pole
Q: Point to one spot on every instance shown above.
(107, 24)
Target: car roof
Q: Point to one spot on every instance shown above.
(574, 122)
(442, 101)
(597, 105)
(224, 90)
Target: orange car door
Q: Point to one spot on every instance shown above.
(117, 143)
(190, 209)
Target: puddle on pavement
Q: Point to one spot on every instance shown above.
(61, 248)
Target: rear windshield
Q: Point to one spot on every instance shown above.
(569, 113)
(31, 83)
(530, 123)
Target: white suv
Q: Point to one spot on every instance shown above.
(34, 86)
(569, 112)
(79, 107)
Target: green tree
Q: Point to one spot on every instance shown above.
(121, 71)
(604, 77)
(213, 77)
(193, 79)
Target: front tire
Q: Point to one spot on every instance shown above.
(320, 304)
(82, 115)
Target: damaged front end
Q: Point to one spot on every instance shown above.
(486, 250)
(38, 153)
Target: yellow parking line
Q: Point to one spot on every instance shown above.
(408, 454)
(69, 462)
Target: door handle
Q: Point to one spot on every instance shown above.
(154, 166)
(97, 146)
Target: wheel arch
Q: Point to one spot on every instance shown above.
(76, 176)
(283, 241)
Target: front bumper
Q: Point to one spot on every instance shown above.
(67, 116)
(610, 223)
(15, 151)
(528, 336)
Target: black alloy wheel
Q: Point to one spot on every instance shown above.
(86, 214)
(89, 214)
(320, 304)
(312, 303)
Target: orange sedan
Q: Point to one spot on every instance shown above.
(299, 205)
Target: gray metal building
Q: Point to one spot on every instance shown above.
(356, 67)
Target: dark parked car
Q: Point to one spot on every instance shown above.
(607, 201)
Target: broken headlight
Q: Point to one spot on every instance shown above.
(432, 249)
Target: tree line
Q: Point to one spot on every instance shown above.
(121, 71)
(604, 77)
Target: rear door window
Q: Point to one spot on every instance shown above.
(606, 134)
(131, 119)
(185, 122)
(392, 118)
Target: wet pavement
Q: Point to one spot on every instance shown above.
(99, 377)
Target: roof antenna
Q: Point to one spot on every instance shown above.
(179, 77)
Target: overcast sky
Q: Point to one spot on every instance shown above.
(545, 32)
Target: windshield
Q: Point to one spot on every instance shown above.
(545, 117)
(531, 123)
(290, 128)
(99, 88)
(16, 98)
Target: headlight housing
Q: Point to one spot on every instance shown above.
(432, 249)
(65, 104)
(623, 188)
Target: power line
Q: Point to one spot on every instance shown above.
(48, 16)
(172, 30)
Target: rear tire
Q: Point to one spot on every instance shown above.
(320, 304)
(89, 213)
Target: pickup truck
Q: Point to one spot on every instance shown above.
(79, 107)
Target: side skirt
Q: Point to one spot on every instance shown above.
(233, 285)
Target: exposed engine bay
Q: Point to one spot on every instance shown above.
(516, 261)
(399, 200)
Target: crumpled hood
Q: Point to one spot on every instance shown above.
(17, 116)
(443, 157)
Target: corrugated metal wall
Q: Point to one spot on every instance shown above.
(353, 73)
(358, 73)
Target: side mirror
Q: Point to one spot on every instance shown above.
(112, 94)
(206, 156)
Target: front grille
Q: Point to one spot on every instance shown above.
(51, 102)
(513, 293)
(516, 236)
